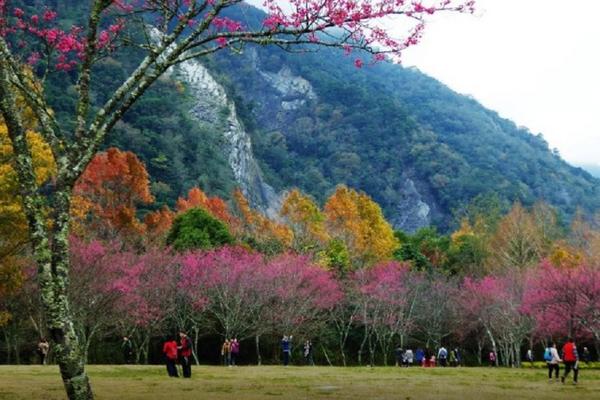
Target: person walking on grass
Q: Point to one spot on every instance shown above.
(127, 349)
(571, 360)
(419, 356)
(492, 358)
(529, 356)
(585, 356)
(226, 352)
(552, 361)
(235, 350)
(286, 349)
(442, 356)
(452, 358)
(308, 353)
(185, 354)
(399, 353)
(170, 352)
(408, 358)
(43, 348)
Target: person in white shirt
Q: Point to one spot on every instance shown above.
(553, 364)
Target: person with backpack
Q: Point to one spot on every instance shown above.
(571, 360)
(442, 356)
(552, 361)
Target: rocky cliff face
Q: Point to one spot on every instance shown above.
(213, 108)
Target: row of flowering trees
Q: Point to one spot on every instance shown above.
(237, 292)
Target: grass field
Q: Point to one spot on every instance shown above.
(273, 382)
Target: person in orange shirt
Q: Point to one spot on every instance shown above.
(170, 352)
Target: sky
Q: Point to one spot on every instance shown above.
(536, 62)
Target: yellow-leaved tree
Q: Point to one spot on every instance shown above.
(306, 221)
(14, 236)
(355, 219)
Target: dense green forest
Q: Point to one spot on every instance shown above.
(399, 135)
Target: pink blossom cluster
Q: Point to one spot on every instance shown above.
(360, 19)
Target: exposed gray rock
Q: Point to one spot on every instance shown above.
(413, 213)
(213, 107)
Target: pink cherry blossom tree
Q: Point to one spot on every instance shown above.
(564, 300)
(168, 32)
(387, 305)
(493, 306)
(147, 285)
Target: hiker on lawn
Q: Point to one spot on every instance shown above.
(235, 350)
(226, 352)
(452, 358)
(419, 356)
(492, 358)
(571, 360)
(529, 356)
(185, 354)
(286, 349)
(127, 348)
(552, 361)
(43, 348)
(170, 352)
(586, 356)
(399, 353)
(442, 356)
(308, 353)
(408, 358)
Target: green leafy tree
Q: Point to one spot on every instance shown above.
(197, 229)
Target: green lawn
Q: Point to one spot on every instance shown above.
(151, 382)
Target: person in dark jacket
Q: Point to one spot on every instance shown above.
(185, 354)
(170, 352)
(286, 349)
(127, 348)
(585, 356)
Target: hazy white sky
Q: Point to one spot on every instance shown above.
(536, 62)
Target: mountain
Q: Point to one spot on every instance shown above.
(593, 169)
(268, 120)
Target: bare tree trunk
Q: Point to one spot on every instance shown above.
(257, 344)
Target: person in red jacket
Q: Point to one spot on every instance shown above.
(185, 354)
(170, 352)
(571, 359)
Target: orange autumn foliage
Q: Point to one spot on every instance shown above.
(214, 205)
(258, 226)
(107, 193)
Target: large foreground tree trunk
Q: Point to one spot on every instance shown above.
(50, 246)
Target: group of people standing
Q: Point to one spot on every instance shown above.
(178, 351)
(428, 358)
(570, 358)
(230, 351)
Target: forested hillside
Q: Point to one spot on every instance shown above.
(419, 149)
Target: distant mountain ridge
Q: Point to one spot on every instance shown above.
(314, 121)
